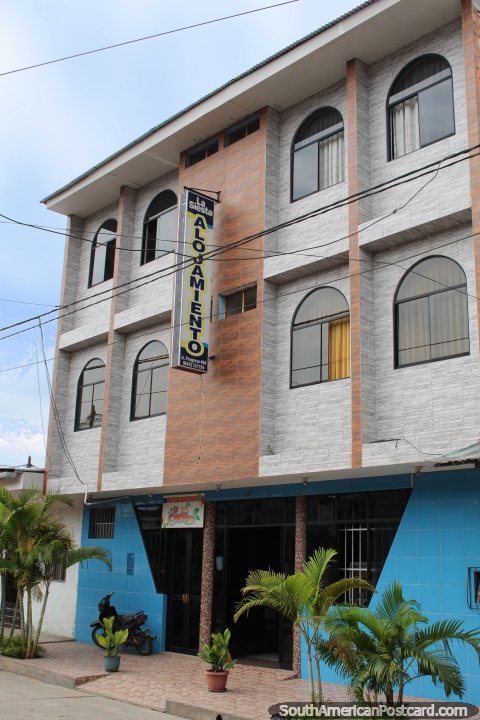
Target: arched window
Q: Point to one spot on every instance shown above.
(321, 338)
(90, 396)
(102, 259)
(150, 381)
(159, 226)
(420, 105)
(318, 153)
(431, 313)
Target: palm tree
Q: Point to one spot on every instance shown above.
(302, 598)
(34, 539)
(381, 651)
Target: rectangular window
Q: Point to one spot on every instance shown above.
(102, 521)
(58, 572)
(200, 153)
(237, 302)
(240, 131)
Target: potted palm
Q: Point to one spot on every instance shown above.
(219, 659)
(111, 641)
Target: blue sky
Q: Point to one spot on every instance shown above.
(60, 120)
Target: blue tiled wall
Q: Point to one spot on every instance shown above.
(438, 539)
(132, 592)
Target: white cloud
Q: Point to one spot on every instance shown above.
(18, 440)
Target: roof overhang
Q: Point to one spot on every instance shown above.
(369, 33)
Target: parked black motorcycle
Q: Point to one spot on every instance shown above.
(139, 636)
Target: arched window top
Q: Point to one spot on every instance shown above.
(320, 124)
(318, 156)
(159, 226)
(90, 395)
(161, 202)
(420, 105)
(431, 312)
(102, 259)
(435, 274)
(152, 351)
(93, 372)
(426, 70)
(320, 338)
(321, 304)
(150, 381)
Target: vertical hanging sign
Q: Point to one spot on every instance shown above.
(191, 305)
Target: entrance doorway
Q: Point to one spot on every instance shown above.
(253, 535)
(184, 579)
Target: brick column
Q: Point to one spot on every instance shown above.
(471, 48)
(300, 553)
(208, 560)
(362, 370)
(61, 368)
(112, 399)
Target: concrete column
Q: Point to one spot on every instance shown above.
(54, 456)
(300, 553)
(112, 400)
(208, 560)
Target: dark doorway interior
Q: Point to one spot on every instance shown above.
(253, 535)
(184, 579)
(252, 549)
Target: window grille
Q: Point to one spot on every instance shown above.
(58, 572)
(102, 522)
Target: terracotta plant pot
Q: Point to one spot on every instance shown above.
(111, 663)
(216, 681)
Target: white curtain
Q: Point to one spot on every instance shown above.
(405, 127)
(331, 160)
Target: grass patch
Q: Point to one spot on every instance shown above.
(14, 648)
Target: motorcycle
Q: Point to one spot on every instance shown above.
(139, 636)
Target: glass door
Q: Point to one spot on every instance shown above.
(184, 575)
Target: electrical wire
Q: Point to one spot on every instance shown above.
(212, 255)
(300, 290)
(55, 412)
(146, 37)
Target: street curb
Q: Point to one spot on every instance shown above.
(22, 667)
(193, 712)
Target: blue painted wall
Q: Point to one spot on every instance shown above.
(438, 539)
(132, 592)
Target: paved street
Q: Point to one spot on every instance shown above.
(24, 699)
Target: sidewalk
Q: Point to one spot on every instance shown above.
(158, 680)
(154, 680)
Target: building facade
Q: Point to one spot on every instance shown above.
(343, 354)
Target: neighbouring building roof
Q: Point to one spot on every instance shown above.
(464, 456)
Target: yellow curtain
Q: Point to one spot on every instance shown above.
(339, 349)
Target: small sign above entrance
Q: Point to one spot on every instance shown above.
(183, 511)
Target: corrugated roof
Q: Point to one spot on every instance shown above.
(463, 456)
(211, 94)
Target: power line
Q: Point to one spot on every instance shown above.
(55, 412)
(146, 37)
(303, 290)
(416, 174)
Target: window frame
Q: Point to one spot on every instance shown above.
(406, 95)
(106, 523)
(153, 218)
(312, 324)
(80, 387)
(333, 130)
(396, 365)
(134, 383)
(223, 299)
(108, 246)
(208, 145)
(239, 126)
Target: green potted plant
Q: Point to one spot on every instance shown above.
(111, 641)
(218, 657)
